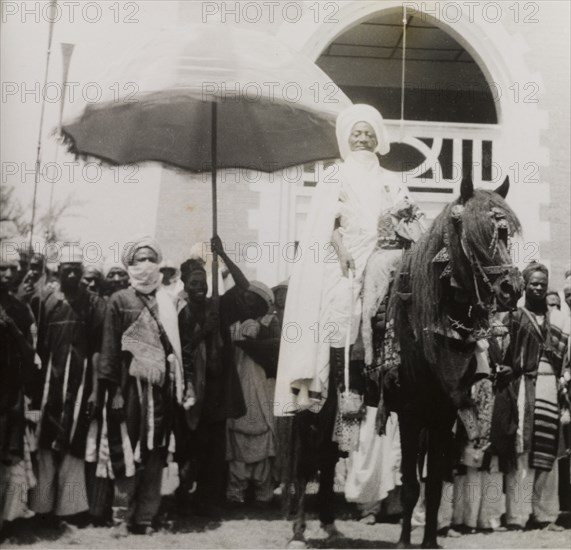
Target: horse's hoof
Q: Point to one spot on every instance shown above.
(430, 544)
(332, 532)
(296, 544)
(402, 544)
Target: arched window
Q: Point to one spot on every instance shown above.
(450, 112)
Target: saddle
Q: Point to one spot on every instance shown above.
(400, 226)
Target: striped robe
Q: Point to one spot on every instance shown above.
(531, 349)
(69, 334)
(123, 309)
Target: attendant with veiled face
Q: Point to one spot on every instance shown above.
(141, 373)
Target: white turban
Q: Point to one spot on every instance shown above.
(87, 266)
(169, 264)
(361, 113)
(111, 263)
(71, 254)
(136, 244)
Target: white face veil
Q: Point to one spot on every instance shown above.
(361, 113)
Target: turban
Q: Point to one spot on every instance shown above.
(263, 291)
(168, 264)
(111, 263)
(9, 255)
(134, 245)
(532, 268)
(88, 266)
(71, 254)
(190, 266)
(361, 113)
(197, 251)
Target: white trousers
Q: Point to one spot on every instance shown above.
(530, 491)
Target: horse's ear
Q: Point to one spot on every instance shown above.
(503, 189)
(467, 185)
(466, 189)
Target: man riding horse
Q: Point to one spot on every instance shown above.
(443, 296)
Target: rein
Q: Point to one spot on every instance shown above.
(479, 272)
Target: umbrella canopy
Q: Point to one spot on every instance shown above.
(209, 96)
(264, 135)
(275, 107)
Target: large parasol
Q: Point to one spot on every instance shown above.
(207, 97)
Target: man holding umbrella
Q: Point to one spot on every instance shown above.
(209, 354)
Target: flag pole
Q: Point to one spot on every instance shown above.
(403, 68)
(214, 198)
(52, 12)
(66, 52)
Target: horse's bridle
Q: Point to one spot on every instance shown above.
(501, 233)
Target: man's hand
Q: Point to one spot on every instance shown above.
(117, 403)
(28, 285)
(93, 406)
(216, 245)
(189, 399)
(379, 321)
(117, 412)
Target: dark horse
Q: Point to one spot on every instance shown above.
(445, 291)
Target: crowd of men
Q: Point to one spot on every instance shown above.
(108, 375)
(105, 376)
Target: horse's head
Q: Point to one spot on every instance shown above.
(486, 224)
(461, 270)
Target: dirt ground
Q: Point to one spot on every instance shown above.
(250, 528)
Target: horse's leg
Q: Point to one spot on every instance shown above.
(328, 449)
(409, 433)
(437, 458)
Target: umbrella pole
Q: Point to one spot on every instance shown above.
(214, 198)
